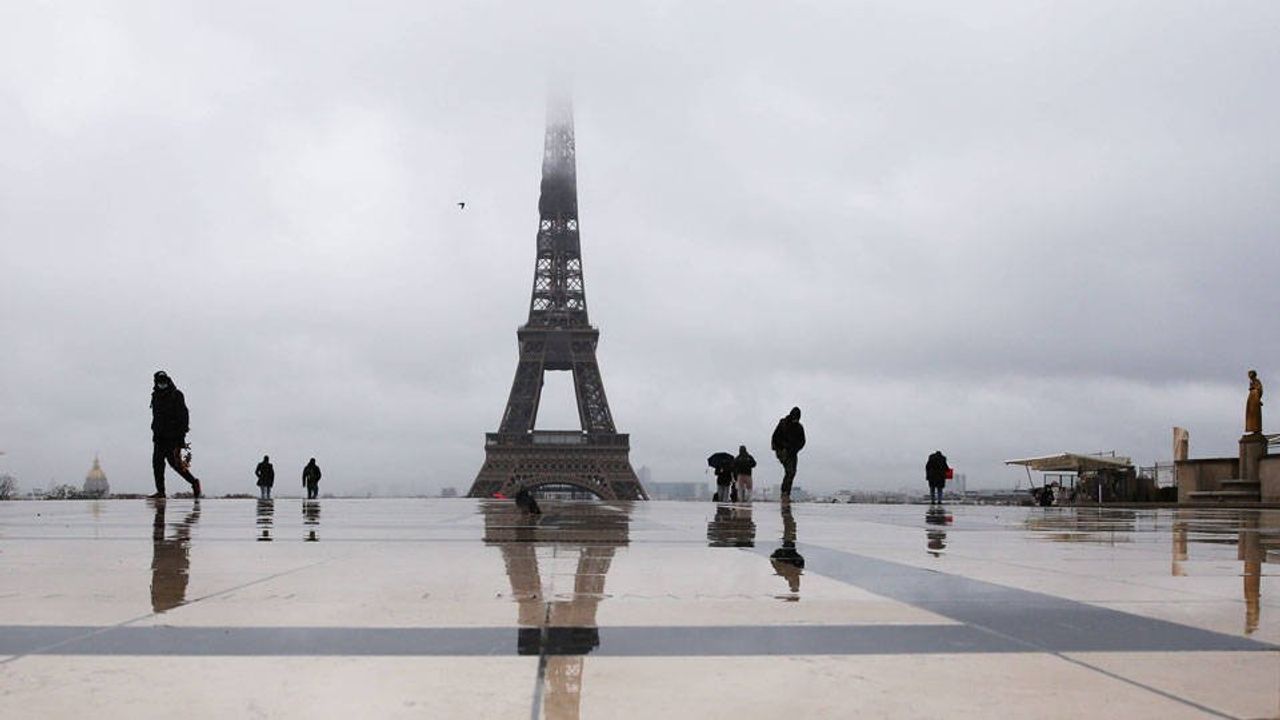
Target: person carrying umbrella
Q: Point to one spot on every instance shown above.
(722, 464)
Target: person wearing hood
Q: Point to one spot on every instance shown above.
(742, 465)
(311, 479)
(169, 428)
(787, 441)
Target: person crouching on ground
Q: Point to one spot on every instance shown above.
(742, 466)
(526, 502)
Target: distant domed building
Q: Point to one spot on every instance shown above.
(95, 483)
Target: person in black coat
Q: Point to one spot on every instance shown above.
(527, 502)
(742, 465)
(724, 482)
(787, 441)
(935, 473)
(266, 477)
(311, 479)
(169, 427)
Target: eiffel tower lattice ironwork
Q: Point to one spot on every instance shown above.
(558, 337)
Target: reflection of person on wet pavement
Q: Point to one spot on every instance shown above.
(786, 561)
(266, 513)
(311, 479)
(936, 537)
(311, 519)
(170, 558)
(169, 427)
(266, 477)
(732, 527)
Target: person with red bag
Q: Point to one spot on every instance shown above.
(936, 472)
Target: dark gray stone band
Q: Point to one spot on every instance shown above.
(1042, 622)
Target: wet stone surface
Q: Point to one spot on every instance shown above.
(462, 608)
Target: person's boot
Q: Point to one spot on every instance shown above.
(156, 496)
(195, 489)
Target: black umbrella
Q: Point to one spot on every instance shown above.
(719, 460)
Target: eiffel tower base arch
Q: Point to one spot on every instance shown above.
(597, 464)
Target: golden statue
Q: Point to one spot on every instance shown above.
(1253, 406)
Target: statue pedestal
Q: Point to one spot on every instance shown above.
(1253, 447)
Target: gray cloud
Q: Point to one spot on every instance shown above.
(995, 230)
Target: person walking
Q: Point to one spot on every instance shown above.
(266, 477)
(935, 473)
(170, 423)
(742, 465)
(311, 479)
(787, 441)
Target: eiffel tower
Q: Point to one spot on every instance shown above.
(558, 337)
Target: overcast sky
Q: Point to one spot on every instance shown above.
(997, 229)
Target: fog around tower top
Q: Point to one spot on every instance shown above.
(999, 231)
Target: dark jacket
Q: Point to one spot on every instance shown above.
(266, 474)
(935, 469)
(724, 475)
(311, 474)
(743, 463)
(788, 437)
(169, 420)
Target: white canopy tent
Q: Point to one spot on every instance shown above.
(1072, 462)
(1100, 465)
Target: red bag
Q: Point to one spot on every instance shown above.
(951, 473)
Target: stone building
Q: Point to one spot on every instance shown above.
(95, 483)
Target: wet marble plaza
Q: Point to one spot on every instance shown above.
(463, 608)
